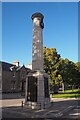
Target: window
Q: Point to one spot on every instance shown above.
(22, 74)
(0, 83)
(14, 74)
(13, 85)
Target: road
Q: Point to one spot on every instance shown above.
(60, 108)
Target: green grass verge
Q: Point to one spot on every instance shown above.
(67, 94)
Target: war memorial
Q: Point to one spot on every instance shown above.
(37, 84)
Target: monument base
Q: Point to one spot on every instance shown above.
(37, 90)
(36, 105)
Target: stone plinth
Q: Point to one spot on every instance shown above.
(42, 93)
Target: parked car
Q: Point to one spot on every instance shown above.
(60, 89)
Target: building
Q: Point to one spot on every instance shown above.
(29, 66)
(0, 83)
(13, 77)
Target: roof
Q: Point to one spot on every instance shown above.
(20, 67)
(8, 66)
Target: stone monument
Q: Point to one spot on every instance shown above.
(37, 84)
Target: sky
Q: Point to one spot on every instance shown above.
(0, 31)
(60, 29)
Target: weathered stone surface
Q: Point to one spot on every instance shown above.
(37, 50)
(43, 100)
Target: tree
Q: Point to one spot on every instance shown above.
(51, 59)
(77, 82)
(70, 73)
(61, 71)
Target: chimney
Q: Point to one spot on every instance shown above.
(16, 63)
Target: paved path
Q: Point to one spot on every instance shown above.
(11, 102)
(60, 108)
(17, 102)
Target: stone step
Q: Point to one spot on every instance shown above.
(32, 105)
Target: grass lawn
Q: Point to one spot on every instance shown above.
(67, 94)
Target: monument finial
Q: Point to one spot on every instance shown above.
(37, 14)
